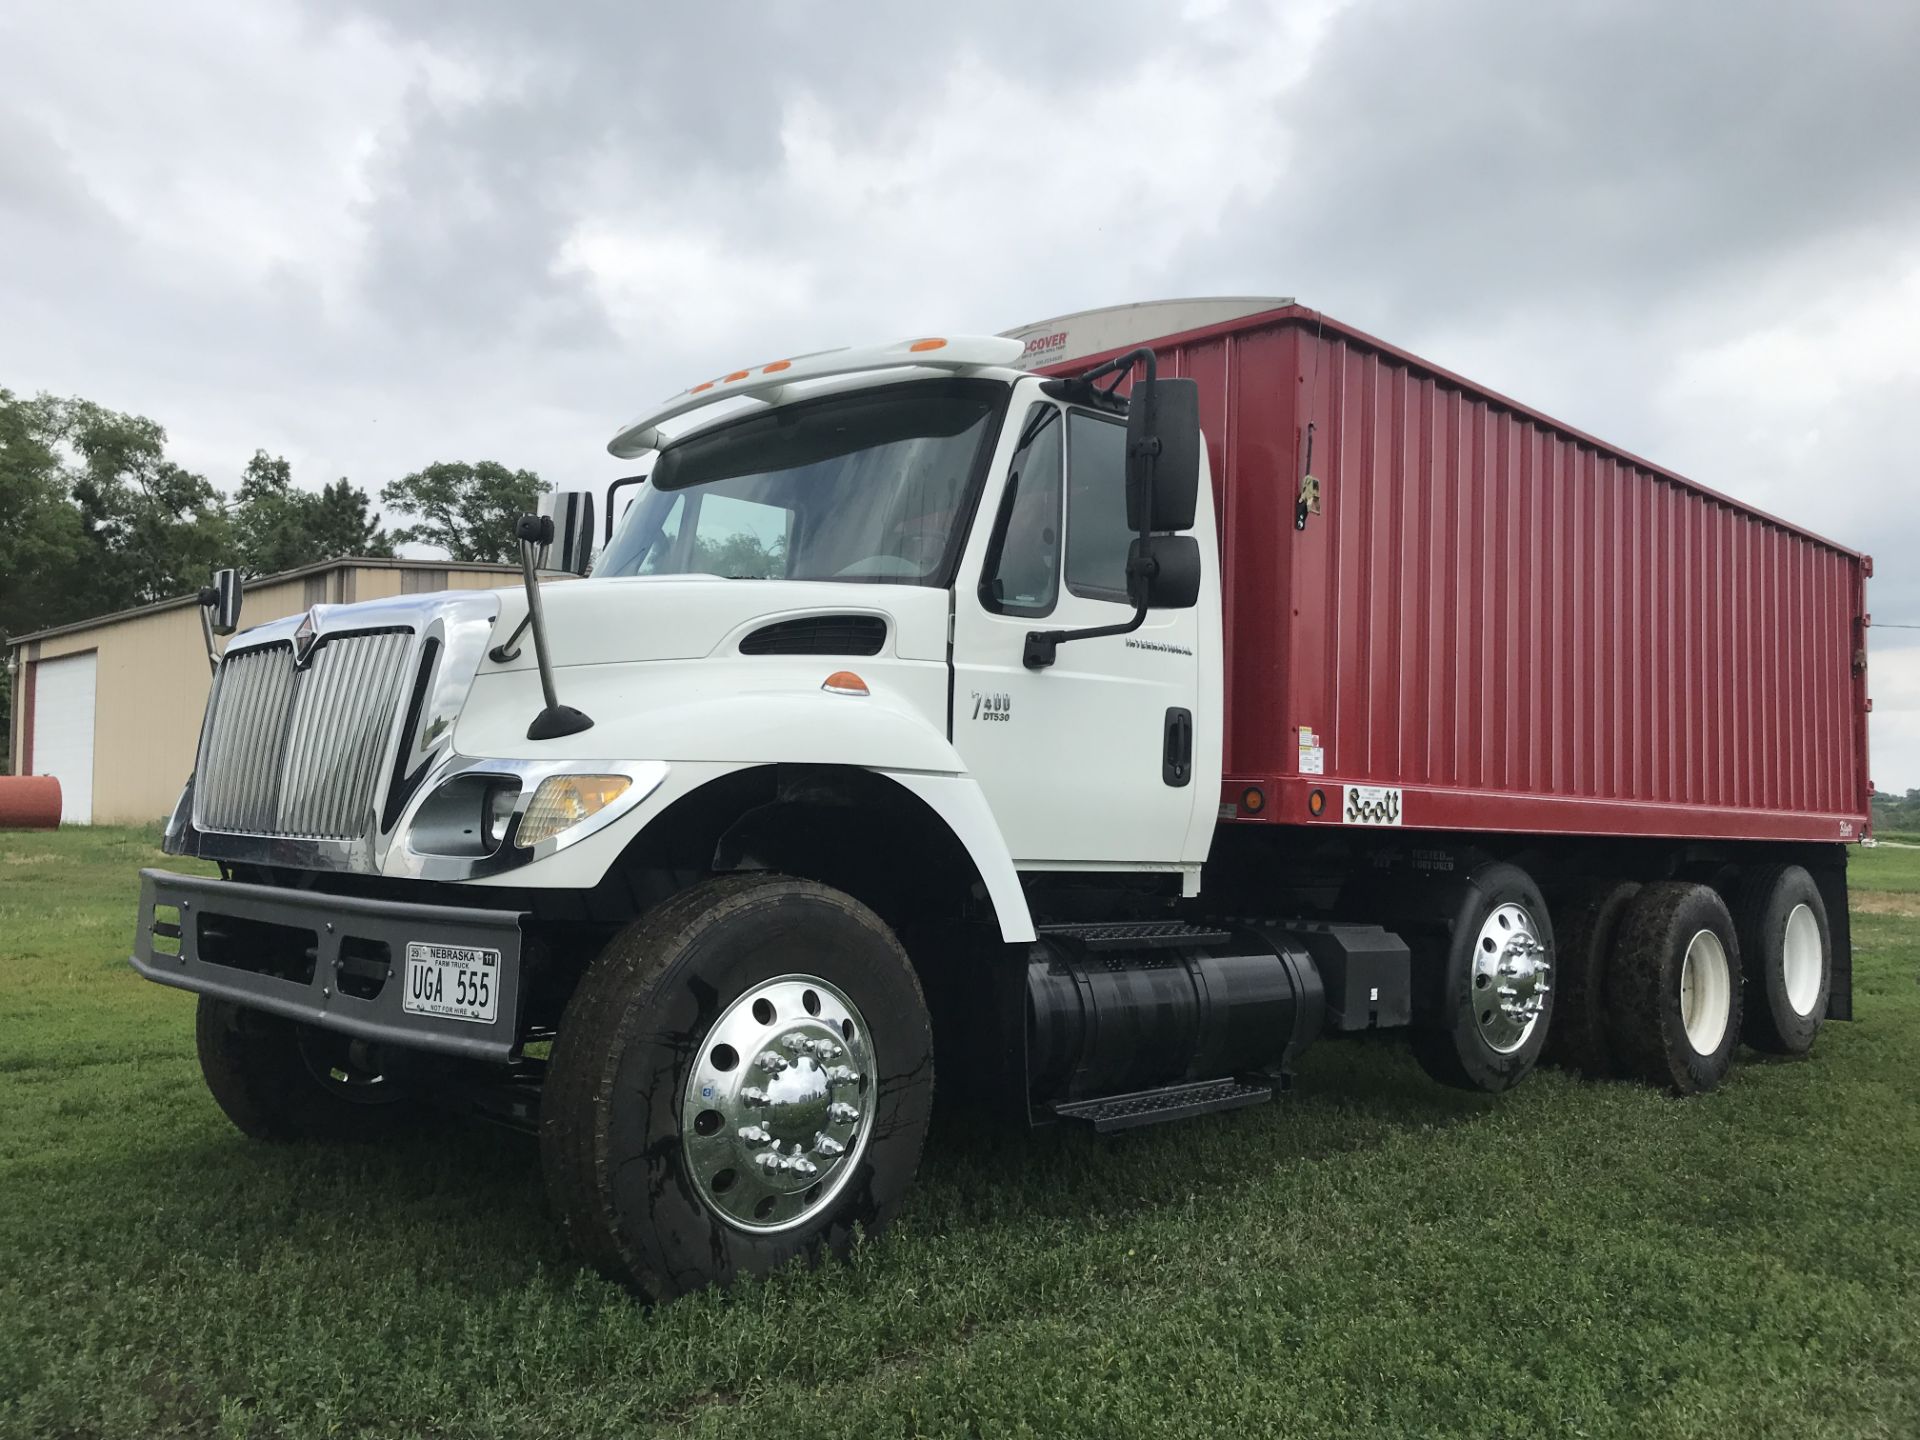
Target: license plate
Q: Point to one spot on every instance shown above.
(454, 982)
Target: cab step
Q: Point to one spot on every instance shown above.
(1138, 934)
(1176, 1102)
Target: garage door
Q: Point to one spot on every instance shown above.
(63, 731)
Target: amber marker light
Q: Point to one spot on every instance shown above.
(1253, 800)
(776, 367)
(563, 801)
(1316, 802)
(845, 682)
(921, 346)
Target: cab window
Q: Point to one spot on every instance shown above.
(1023, 566)
(1097, 533)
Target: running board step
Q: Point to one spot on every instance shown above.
(1139, 935)
(1175, 1102)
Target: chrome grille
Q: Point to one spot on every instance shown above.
(297, 752)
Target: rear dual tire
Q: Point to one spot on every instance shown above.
(1673, 988)
(1787, 947)
(1589, 918)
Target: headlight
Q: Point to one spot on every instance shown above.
(563, 801)
(499, 811)
(467, 816)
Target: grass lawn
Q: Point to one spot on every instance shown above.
(1374, 1255)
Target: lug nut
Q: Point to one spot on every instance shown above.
(771, 1063)
(753, 1095)
(755, 1135)
(828, 1146)
(842, 1075)
(841, 1113)
(824, 1049)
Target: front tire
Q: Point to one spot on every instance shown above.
(742, 1076)
(278, 1080)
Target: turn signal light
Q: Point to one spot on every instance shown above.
(1316, 802)
(845, 682)
(1253, 800)
(563, 801)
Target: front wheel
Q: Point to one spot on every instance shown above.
(742, 1076)
(278, 1080)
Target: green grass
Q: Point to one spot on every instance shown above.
(1887, 867)
(1374, 1255)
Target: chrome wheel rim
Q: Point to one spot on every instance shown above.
(774, 1120)
(1801, 960)
(1706, 992)
(1511, 973)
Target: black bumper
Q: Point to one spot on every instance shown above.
(348, 937)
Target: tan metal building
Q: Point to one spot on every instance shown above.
(112, 705)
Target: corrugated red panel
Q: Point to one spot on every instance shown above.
(1521, 627)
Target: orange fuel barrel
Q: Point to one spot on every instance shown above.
(29, 802)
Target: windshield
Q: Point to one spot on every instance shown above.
(875, 486)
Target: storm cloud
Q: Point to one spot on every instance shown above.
(372, 236)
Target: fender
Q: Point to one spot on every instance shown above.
(713, 735)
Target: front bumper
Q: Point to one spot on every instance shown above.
(334, 962)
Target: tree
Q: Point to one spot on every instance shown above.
(278, 527)
(96, 518)
(466, 509)
(153, 529)
(43, 545)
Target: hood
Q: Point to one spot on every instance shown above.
(686, 617)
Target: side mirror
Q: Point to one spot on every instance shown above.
(1163, 572)
(1166, 411)
(222, 599)
(571, 548)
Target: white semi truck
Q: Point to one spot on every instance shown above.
(893, 720)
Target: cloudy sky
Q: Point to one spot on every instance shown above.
(371, 235)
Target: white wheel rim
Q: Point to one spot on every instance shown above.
(1801, 960)
(1706, 992)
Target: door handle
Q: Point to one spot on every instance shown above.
(1176, 755)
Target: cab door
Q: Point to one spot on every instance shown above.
(1089, 763)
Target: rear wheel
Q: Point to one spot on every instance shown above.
(742, 1076)
(1488, 967)
(1788, 954)
(1673, 989)
(278, 1080)
(1587, 924)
